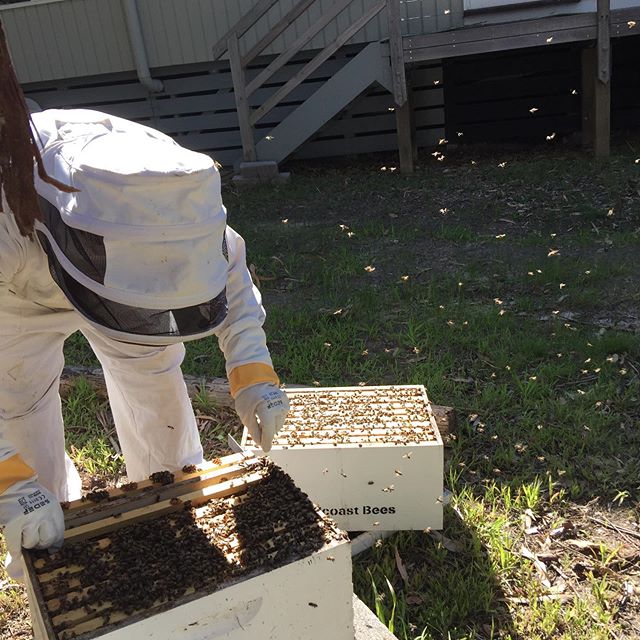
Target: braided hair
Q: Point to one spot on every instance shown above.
(18, 149)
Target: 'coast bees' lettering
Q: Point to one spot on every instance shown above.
(367, 510)
(356, 511)
(342, 511)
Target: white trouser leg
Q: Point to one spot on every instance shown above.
(150, 405)
(31, 362)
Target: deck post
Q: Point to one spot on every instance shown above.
(406, 135)
(400, 94)
(602, 93)
(242, 103)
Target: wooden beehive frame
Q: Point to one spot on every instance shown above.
(225, 478)
(216, 479)
(402, 412)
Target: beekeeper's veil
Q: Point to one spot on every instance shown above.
(139, 248)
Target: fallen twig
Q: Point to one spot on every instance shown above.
(614, 527)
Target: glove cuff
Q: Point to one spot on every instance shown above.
(14, 470)
(246, 375)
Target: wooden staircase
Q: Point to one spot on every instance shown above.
(369, 66)
(380, 62)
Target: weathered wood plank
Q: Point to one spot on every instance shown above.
(311, 66)
(149, 493)
(304, 38)
(604, 41)
(204, 494)
(596, 81)
(509, 29)
(406, 144)
(243, 25)
(217, 389)
(41, 623)
(501, 44)
(402, 106)
(293, 14)
(514, 35)
(602, 119)
(396, 53)
(240, 95)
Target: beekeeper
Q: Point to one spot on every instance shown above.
(139, 258)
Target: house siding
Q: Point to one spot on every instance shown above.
(74, 38)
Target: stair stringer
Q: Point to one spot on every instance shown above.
(370, 65)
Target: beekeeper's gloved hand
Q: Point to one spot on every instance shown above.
(32, 518)
(262, 408)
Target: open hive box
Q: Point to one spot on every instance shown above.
(232, 550)
(370, 457)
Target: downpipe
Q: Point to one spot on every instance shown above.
(134, 28)
(366, 540)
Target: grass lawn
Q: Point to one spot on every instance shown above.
(508, 284)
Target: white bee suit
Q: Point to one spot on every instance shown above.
(151, 408)
(148, 397)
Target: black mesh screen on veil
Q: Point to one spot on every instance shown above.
(84, 250)
(135, 321)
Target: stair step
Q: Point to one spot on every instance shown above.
(370, 65)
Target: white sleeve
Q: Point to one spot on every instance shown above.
(241, 336)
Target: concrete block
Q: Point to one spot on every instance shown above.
(367, 625)
(258, 172)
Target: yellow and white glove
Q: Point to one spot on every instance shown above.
(32, 518)
(262, 408)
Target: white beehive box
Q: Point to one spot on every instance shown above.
(370, 457)
(297, 583)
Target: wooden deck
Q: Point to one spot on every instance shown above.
(516, 35)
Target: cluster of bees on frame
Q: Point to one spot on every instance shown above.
(145, 565)
(391, 415)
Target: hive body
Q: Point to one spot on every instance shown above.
(235, 551)
(370, 457)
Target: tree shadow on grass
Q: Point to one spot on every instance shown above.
(449, 589)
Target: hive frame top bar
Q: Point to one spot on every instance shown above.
(293, 390)
(433, 439)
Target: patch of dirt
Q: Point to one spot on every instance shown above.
(587, 543)
(18, 626)
(499, 209)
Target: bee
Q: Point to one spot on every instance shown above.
(162, 477)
